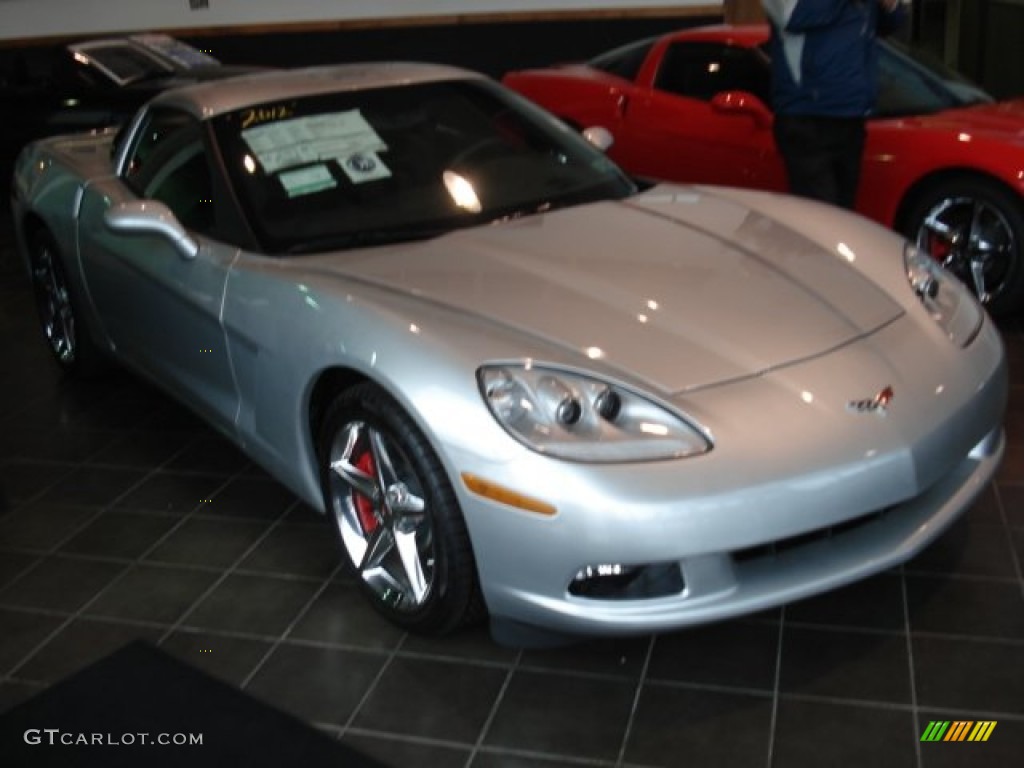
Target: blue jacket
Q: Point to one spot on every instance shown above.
(824, 55)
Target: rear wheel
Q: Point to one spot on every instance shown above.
(60, 316)
(974, 228)
(395, 513)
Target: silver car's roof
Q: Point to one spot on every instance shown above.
(209, 99)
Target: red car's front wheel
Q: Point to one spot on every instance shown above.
(975, 228)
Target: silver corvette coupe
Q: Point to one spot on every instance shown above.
(517, 382)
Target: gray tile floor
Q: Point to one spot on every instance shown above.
(122, 517)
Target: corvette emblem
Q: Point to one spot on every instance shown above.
(878, 404)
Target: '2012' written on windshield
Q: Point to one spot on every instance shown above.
(259, 115)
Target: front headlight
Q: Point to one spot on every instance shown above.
(582, 418)
(947, 300)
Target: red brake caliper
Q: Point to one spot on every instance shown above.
(939, 248)
(364, 505)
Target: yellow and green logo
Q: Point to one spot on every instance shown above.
(958, 730)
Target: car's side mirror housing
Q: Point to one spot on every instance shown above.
(743, 103)
(153, 218)
(599, 136)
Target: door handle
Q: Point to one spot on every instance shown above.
(621, 104)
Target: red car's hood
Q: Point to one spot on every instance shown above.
(1003, 120)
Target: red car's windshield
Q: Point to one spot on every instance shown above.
(912, 83)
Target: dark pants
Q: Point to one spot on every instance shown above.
(822, 156)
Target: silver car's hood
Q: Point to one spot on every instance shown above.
(677, 286)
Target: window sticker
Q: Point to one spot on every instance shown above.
(316, 139)
(306, 181)
(364, 166)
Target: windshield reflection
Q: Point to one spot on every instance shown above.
(409, 162)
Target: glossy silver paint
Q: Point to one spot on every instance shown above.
(761, 317)
(204, 100)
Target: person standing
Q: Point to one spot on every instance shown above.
(824, 85)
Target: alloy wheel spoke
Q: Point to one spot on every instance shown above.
(405, 504)
(408, 551)
(378, 546)
(401, 508)
(979, 281)
(975, 229)
(387, 476)
(961, 245)
(360, 481)
(67, 322)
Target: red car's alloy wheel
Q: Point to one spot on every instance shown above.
(975, 229)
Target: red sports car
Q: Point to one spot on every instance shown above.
(944, 163)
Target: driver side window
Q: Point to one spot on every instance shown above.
(168, 162)
(702, 70)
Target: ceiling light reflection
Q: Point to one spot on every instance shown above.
(461, 191)
(659, 430)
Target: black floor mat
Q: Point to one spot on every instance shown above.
(119, 710)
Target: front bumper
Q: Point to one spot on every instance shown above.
(770, 515)
(723, 585)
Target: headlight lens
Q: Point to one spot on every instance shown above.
(582, 418)
(947, 300)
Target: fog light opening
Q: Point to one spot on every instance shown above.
(616, 581)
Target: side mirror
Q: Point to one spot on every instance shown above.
(600, 137)
(743, 103)
(151, 217)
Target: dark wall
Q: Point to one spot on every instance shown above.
(1001, 65)
(987, 40)
(492, 48)
(29, 101)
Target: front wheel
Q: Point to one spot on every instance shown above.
(60, 313)
(975, 229)
(395, 513)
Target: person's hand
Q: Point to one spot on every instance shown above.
(889, 5)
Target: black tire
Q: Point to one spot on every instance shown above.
(975, 228)
(60, 312)
(395, 515)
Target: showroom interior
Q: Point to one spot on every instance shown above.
(131, 530)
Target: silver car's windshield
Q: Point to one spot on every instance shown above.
(367, 167)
